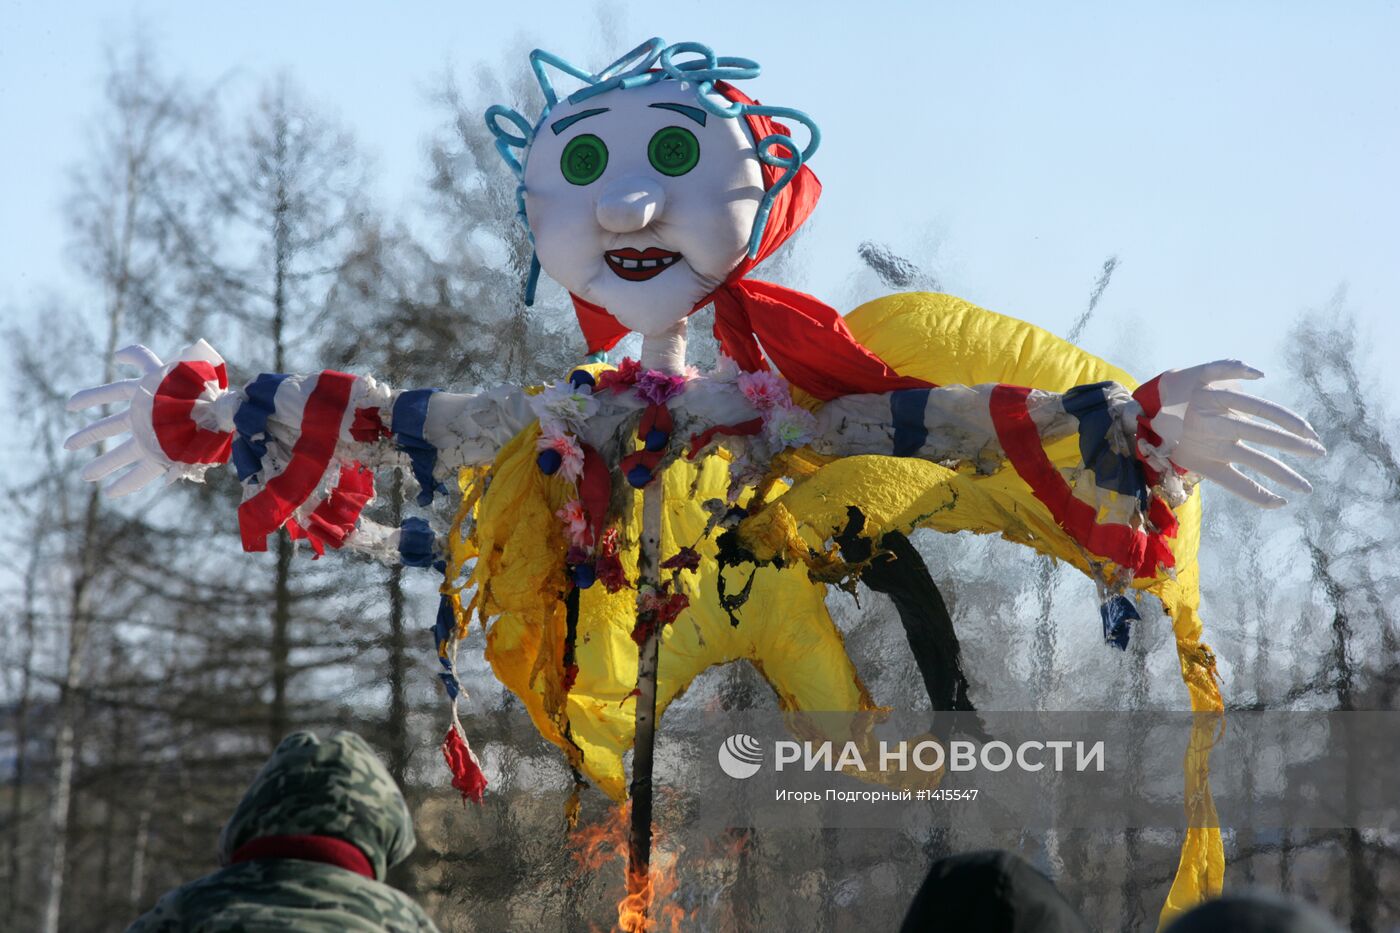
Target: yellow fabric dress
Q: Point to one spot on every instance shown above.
(507, 524)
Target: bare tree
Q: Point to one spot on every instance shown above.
(110, 215)
(266, 212)
(485, 250)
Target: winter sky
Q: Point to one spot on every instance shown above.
(1240, 158)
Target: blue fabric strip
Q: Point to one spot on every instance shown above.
(247, 458)
(1118, 613)
(259, 404)
(1120, 473)
(449, 681)
(410, 412)
(907, 415)
(444, 627)
(417, 543)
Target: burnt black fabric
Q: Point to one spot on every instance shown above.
(1253, 913)
(989, 892)
(898, 571)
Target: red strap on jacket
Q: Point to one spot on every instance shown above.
(325, 849)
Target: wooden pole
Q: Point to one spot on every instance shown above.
(664, 352)
(644, 739)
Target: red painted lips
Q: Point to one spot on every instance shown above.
(636, 265)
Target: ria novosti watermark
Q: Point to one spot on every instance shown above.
(741, 756)
(1018, 770)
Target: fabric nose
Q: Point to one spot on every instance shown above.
(629, 204)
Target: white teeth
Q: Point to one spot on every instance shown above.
(661, 262)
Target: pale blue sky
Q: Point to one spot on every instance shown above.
(1240, 158)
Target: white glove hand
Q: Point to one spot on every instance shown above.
(170, 406)
(1204, 424)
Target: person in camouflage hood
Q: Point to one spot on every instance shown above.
(306, 849)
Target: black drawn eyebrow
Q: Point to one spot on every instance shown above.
(559, 126)
(695, 113)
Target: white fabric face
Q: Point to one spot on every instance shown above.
(642, 239)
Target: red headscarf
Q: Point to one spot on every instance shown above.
(806, 338)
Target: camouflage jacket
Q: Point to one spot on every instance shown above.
(334, 788)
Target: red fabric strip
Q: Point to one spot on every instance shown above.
(368, 426)
(265, 512)
(806, 338)
(742, 429)
(600, 329)
(1162, 517)
(1019, 437)
(325, 849)
(334, 519)
(595, 490)
(180, 436)
(298, 533)
(653, 416)
(1149, 396)
(467, 776)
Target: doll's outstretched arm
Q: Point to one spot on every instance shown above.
(303, 445)
(1140, 454)
(1192, 423)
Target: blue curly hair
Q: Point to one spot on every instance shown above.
(648, 63)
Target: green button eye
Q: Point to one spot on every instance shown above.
(583, 160)
(673, 150)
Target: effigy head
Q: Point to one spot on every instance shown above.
(641, 201)
(655, 183)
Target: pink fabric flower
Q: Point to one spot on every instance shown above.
(575, 521)
(764, 390)
(624, 377)
(658, 388)
(570, 454)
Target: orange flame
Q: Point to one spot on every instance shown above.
(643, 908)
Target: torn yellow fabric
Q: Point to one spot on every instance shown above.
(948, 341)
(786, 632)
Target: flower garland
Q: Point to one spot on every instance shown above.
(563, 411)
(781, 424)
